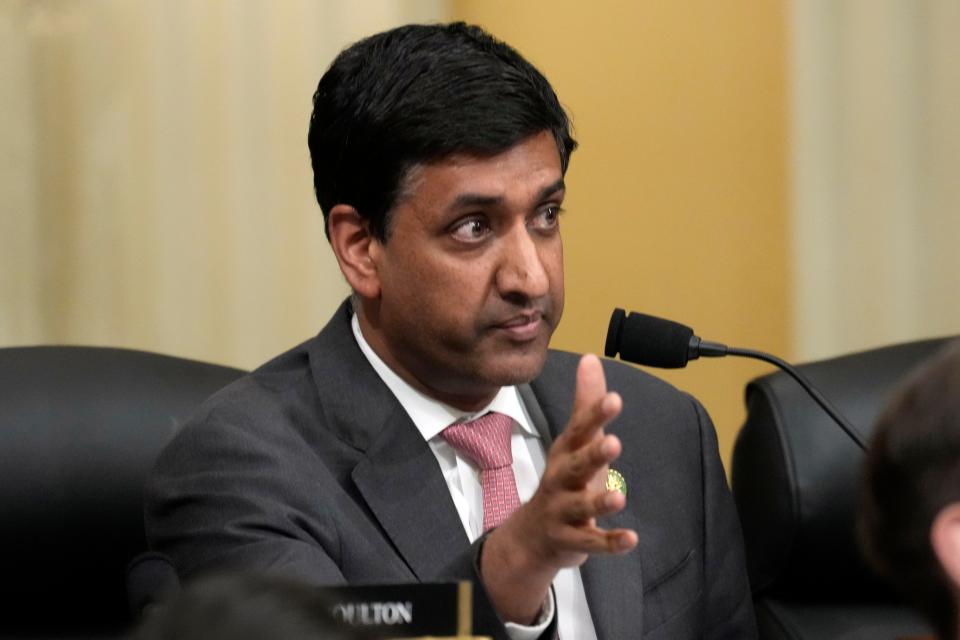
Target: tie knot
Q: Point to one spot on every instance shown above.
(485, 441)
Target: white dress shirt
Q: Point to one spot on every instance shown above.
(463, 480)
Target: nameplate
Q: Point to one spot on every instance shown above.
(405, 610)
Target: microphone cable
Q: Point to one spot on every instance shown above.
(648, 340)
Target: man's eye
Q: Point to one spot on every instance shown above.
(471, 230)
(547, 218)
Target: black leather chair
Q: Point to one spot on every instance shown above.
(796, 480)
(80, 428)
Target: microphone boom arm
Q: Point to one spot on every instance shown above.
(705, 349)
(655, 342)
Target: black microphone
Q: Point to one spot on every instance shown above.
(655, 342)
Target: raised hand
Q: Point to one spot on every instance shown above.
(557, 528)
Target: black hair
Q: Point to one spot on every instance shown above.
(912, 472)
(418, 94)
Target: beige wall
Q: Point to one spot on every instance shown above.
(677, 196)
(156, 190)
(874, 169)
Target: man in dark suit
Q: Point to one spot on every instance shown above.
(427, 433)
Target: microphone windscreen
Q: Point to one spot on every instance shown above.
(648, 340)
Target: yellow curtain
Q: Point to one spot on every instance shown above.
(156, 189)
(875, 156)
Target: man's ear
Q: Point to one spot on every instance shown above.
(945, 539)
(352, 242)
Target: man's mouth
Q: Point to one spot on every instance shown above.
(525, 326)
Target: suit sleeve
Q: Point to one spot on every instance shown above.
(213, 503)
(729, 605)
(224, 496)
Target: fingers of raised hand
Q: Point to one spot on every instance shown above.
(591, 383)
(583, 508)
(595, 540)
(578, 467)
(588, 421)
(620, 540)
(598, 505)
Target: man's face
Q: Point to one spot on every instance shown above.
(471, 276)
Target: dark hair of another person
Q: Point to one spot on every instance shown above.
(419, 94)
(245, 607)
(912, 472)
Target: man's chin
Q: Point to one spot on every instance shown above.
(518, 369)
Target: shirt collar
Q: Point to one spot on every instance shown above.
(432, 416)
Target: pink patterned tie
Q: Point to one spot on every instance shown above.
(486, 442)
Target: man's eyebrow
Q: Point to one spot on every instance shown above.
(466, 200)
(552, 189)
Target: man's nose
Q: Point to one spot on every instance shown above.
(521, 271)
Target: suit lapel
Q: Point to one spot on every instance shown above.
(613, 584)
(403, 486)
(398, 475)
(539, 420)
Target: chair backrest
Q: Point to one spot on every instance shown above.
(796, 477)
(80, 428)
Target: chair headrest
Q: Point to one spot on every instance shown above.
(80, 428)
(796, 474)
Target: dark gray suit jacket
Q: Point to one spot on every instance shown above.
(310, 467)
